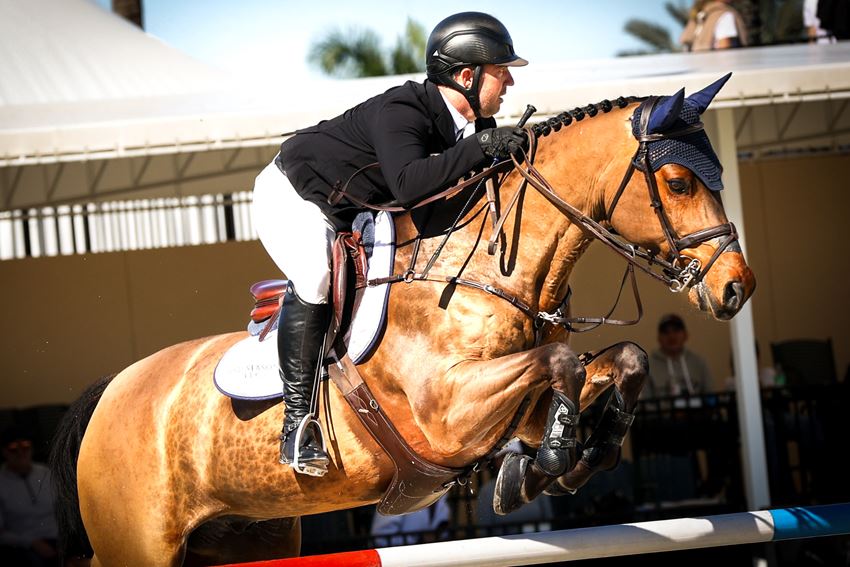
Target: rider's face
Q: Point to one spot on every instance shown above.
(495, 80)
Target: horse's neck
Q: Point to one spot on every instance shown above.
(579, 172)
(539, 246)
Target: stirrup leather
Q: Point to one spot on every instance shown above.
(312, 467)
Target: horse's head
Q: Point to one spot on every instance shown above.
(672, 208)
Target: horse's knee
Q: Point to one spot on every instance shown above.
(632, 360)
(565, 366)
(633, 365)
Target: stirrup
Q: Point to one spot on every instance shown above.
(310, 468)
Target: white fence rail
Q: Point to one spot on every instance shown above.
(125, 225)
(590, 543)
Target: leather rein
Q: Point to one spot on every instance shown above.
(678, 272)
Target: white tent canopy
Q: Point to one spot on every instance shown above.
(78, 83)
(90, 127)
(69, 51)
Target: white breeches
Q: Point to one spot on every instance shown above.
(295, 233)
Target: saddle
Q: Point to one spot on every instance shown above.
(348, 259)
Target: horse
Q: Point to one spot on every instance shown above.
(154, 458)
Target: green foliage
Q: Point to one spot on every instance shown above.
(358, 53)
(680, 13)
(655, 36)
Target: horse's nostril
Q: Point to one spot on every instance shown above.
(733, 295)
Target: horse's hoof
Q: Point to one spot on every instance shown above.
(507, 495)
(573, 480)
(557, 489)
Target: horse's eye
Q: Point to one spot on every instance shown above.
(678, 186)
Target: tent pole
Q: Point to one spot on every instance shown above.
(742, 330)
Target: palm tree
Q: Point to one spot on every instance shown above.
(408, 55)
(358, 53)
(656, 37)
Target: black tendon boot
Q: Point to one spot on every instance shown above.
(601, 450)
(557, 452)
(300, 338)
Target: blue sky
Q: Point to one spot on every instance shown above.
(273, 36)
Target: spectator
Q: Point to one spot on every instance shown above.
(28, 528)
(826, 21)
(814, 32)
(410, 528)
(673, 369)
(714, 25)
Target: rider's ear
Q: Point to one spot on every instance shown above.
(666, 112)
(467, 76)
(704, 97)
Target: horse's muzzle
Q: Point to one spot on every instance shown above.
(733, 296)
(726, 288)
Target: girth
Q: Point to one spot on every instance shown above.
(417, 483)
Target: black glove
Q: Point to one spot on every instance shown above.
(500, 143)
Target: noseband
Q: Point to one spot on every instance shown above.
(679, 272)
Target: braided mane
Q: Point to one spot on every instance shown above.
(566, 117)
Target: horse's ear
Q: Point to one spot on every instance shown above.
(666, 112)
(704, 97)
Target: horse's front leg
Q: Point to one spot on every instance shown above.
(485, 395)
(625, 366)
(522, 479)
(556, 368)
(483, 399)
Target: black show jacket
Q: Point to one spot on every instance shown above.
(408, 130)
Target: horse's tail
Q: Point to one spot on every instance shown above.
(73, 541)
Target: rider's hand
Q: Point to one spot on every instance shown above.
(500, 143)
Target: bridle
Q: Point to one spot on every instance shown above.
(678, 277)
(677, 271)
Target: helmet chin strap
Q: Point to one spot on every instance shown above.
(470, 94)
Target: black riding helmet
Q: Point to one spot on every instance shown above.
(468, 39)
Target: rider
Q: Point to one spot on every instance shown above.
(422, 136)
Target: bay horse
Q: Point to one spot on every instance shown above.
(165, 459)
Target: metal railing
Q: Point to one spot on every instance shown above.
(125, 225)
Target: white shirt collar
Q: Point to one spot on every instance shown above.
(460, 121)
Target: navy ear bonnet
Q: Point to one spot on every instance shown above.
(694, 151)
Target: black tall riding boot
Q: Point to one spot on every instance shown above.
(300, 335)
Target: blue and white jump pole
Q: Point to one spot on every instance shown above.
(605, 541)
